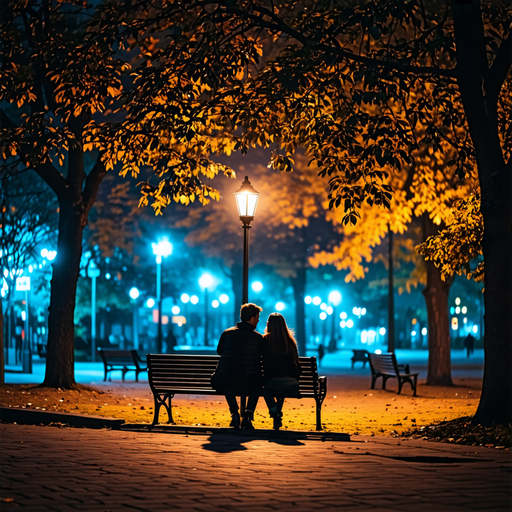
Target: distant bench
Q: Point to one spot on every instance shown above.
(171, 374)
(122, 360)
(360, 355)
(385, 366)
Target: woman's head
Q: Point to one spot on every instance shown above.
(280, 339)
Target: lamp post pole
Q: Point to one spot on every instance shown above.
(93, 272)
(159, 302)
(391, 295)
(245, 289)
(161, 250)
(246, 200)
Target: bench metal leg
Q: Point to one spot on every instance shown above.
(159, 401)
(318, 415)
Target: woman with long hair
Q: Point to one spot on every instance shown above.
(281, 366)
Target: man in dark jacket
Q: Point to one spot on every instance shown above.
(239, 368)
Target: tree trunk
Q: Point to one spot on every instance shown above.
(436, 298)
(299, 288)
(480, 86)
(495, 405)
(61, 327)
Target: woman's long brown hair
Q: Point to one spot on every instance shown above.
(280, 339)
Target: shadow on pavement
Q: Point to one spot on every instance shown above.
(222, 443)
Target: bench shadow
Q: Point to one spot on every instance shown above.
(222, 443)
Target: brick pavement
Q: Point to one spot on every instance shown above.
(64, 469)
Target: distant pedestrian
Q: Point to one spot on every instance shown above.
(171, 340)
(321, 353)
(469, 344)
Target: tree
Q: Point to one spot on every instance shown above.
(455, 56)
(28, 215)
(65, 67)
(423, 191)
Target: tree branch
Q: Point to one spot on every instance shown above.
(279, 25)
(499, 69)
(93, 182)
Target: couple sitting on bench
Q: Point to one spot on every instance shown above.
(243, 351)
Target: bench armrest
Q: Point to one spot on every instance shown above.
(322, 386)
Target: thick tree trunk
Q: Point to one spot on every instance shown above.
(61, 329)
(480, 85)
(436, 298)
(495, 405)
(299, 288)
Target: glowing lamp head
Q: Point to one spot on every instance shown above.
(205, 281)
(224, 298)
(134, 293)
(335, 298)
(162, 249)
(246, 201)
(257, 286)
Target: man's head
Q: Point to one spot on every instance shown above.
(250, 313)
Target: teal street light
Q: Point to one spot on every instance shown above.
(205, 281)
(334, 300)
(246, 202)
(257, 286)
(162, 249)
(93, 272)
(134, 295)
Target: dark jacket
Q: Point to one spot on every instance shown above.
(240, 348)
(280, 366)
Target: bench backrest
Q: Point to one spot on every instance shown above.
(172, 371)
(114, 356)
(383, 363)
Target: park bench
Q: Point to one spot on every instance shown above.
(122, 360)
(360, 355)
(385, 366)
(172, 374)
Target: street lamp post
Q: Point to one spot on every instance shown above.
(93, 272)
(134, 295)
(161, 250)
(335, 300)
(205, 281)
(246, 202)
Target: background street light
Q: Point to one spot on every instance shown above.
(335, 300)
(205, 281)
(161, 250)
(134, 295)
(93, 272)
(246, 202)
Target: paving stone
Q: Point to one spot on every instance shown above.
(80, 470)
